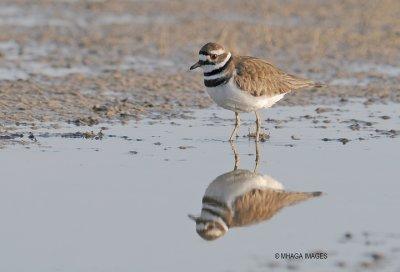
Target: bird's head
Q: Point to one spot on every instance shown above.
(209, 229)
(212, 56)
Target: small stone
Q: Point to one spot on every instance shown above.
(98, 108)
(32, 137)
(321, 110)
(343, 140)
(294, 137)
(355, 126)
(147, 104)
(377, 256)
(348, 236)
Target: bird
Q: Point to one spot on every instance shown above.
(241, 198)
(244, 83)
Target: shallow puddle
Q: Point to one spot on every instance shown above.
(122, 203)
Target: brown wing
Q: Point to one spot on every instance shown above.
(258, 205)
(259, 78)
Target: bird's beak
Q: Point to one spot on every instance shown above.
(196, 65)
(193, 217)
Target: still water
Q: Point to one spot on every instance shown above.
(122, 203)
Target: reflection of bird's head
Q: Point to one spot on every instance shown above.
(241, 198)
(209, 229)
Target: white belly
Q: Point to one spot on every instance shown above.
(229, 96)
(227, 187)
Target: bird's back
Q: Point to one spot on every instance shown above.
(261, 78)
(258, 205)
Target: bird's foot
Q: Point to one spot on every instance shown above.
(263, 136)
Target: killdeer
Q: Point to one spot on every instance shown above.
(241, 198)
(244, 84)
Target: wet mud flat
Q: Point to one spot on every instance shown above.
(91, 201)
(343, 123)
(91, 62)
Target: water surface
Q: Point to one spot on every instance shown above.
(121, 203)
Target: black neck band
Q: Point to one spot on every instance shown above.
(217, 71)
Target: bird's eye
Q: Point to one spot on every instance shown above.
(213, 56)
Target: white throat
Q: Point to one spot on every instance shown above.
(209, 68)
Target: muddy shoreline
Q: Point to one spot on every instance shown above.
(343, 124)
(113, 61)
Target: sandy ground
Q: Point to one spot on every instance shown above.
(91, 61)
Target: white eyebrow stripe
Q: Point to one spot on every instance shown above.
(217, 52)
(206, 215)
(208, 68)
(214, 232)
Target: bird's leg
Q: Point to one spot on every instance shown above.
(237, 125)
(236, 155)
(258, 126)
(257, 156)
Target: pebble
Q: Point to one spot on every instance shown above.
(322, 110)
(343, 140)
(348, 236)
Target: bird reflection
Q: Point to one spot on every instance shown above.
(241, 198)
